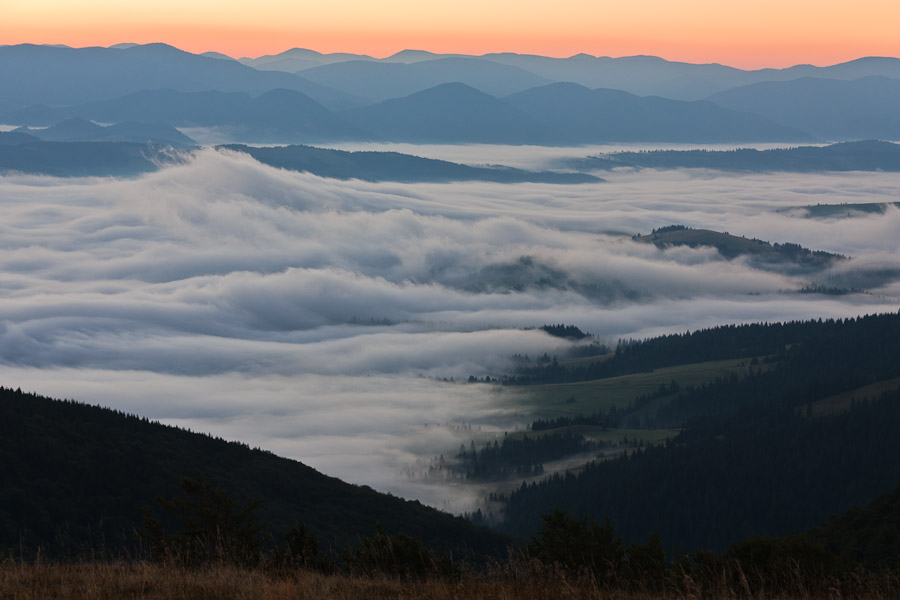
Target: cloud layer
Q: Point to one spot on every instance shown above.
(312, 316)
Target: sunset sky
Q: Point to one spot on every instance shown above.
(744, 34)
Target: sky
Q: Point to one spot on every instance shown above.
(764, 33)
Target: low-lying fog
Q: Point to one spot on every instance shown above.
(313, 317)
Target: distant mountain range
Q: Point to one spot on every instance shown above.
(575, 114)
(417, 96)
(641, 75)
(829, 109)
(377, 81)
(56, 76)
(279, 114)
(559, 114)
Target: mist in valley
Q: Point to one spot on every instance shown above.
(336, 322)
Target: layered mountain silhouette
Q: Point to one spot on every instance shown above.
(833, 109)
(580, 115)
(640, 75)
(54, 76)
(417, 96)
(451, 112)
(378, 81)
(561, 114)
(283, 114)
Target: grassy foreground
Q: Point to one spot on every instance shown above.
(124, 580)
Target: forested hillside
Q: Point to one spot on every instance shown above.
(74, 477)
(766, 453)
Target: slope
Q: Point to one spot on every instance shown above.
(81, 471)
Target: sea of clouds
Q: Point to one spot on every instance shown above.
(316, 318)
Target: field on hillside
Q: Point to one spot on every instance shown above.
(586, 397)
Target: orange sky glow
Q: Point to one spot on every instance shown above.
(764, 33)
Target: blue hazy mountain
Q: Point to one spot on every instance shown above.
(650, 75)
(298, 59)
(282, 115)
(53, 76)
(871, 155)
(83, 159)
(14, 138)
(560, 114)
(80, 130)
(377, 80)
(451, 112)
(868, 107)
(641, 75)
(581, 115)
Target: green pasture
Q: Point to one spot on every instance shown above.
(586, 397)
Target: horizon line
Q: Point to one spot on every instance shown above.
(125, 45)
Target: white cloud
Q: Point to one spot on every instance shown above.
(311, 316)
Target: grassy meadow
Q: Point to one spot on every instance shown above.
(147, 581)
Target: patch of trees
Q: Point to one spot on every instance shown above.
(565, 331)
(519, 456)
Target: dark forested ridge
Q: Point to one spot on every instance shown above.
(785, 257)
(24, 153)
(394, 166)
(718, 343)
(84, 159)
(870, 155)
(74, 476)
(754, 457)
